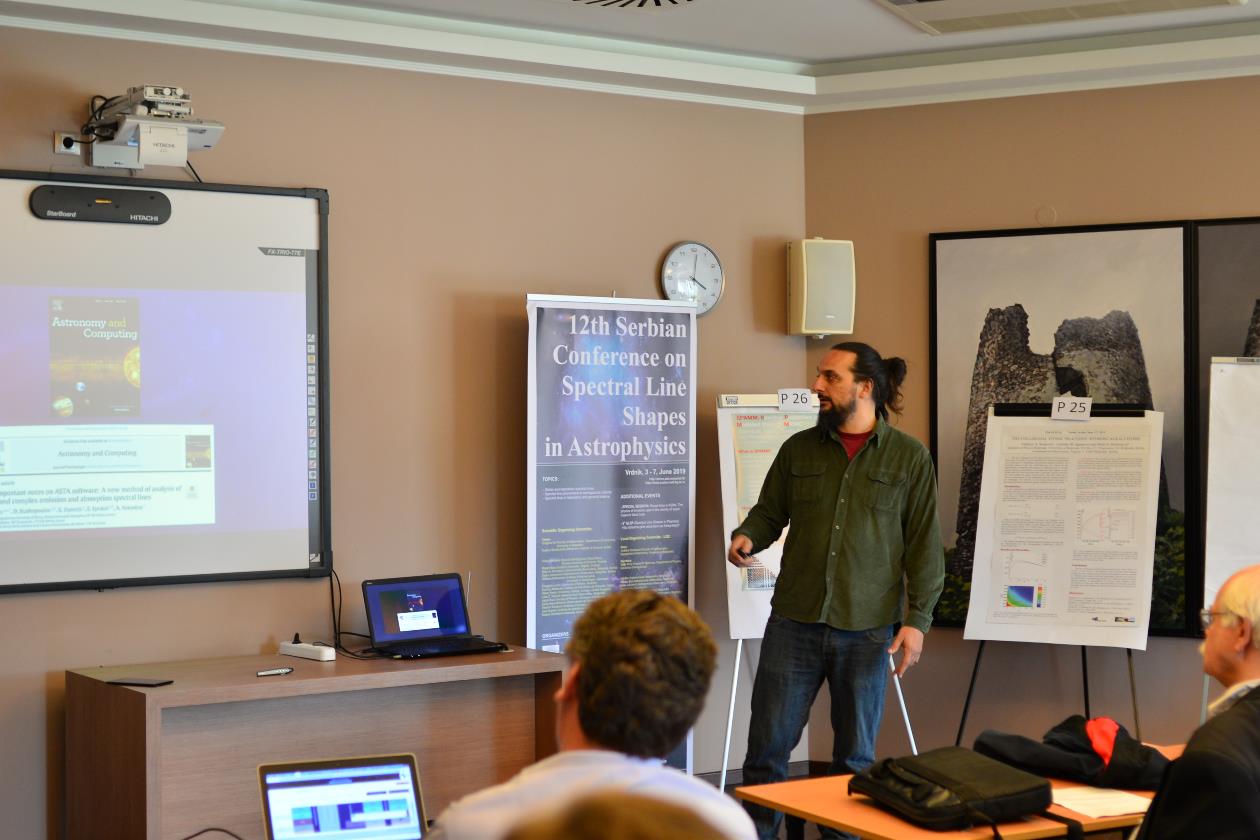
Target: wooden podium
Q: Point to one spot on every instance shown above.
(166, 762)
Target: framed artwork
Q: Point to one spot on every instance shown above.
(1226, 262)
(1022, 316)
(1227, 278)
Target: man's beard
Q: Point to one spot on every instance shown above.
(833, 418)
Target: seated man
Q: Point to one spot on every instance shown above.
(640, 668)
(1213, 790)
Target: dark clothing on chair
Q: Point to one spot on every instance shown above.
(1098, 752)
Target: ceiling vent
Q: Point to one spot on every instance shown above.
(633, 5)
(944, 17)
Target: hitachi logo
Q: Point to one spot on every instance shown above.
(61, 214)
(140, 217)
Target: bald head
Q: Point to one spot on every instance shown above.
(1231, 646)
(1239, 598)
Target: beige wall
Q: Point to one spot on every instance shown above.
(450, 199)
(888, 178)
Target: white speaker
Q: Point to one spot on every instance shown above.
(822, 287)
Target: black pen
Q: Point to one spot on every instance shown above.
(275, 672)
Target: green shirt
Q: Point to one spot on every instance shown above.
(863, 536)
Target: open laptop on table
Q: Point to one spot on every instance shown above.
(421, 616)
(369, 798)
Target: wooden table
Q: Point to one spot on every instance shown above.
(168, 761)
(826, 801)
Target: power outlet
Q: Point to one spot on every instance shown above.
(65, 143)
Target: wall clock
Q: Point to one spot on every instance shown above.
(692, 273)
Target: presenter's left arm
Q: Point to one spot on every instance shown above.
(924, 561)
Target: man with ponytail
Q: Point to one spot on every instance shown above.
(862, 568)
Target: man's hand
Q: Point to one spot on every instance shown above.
(740, 552)
(910, 642)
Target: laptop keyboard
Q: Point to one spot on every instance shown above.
(438, 647)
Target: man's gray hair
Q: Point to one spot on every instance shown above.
(1240, 598)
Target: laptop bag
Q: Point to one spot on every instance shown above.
(954, 787)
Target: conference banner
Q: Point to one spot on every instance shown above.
(611, 455)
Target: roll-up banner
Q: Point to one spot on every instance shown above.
(611, 455)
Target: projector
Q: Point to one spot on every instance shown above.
(147, 125)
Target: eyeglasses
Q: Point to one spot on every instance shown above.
(1207, 615)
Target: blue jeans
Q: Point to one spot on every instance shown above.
(795, 659)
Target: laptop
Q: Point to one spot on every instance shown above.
(421, 616)
(375, 797)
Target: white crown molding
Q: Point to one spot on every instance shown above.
(363, 60)
(392, 40)
(1128, 66)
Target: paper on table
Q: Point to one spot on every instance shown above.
(1100, 802)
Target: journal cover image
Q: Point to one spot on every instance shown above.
(94, 356)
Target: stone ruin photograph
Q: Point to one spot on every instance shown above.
(1023, 319)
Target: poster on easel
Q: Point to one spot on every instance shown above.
(1066, 530)
(1233, 499)
(751, 428)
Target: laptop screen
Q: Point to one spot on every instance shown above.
(407, 609)
(371, 798)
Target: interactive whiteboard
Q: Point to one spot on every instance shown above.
(162, 361)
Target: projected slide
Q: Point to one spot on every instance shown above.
(106, 477)
(162, 412)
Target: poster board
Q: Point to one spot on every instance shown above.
(1233, 498)
(751, 428)
(1066, 530)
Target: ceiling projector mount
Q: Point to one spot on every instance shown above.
(147, 125)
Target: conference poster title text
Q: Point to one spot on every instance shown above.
(651, 369)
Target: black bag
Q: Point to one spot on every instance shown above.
(954, 787)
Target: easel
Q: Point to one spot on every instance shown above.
(1137, 721)
(1043, 410)
(795, 825)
